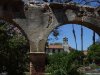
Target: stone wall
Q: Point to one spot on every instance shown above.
(36, 21)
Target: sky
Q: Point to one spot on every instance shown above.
(66, 31)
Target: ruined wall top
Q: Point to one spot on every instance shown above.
(13, 7)
(8, 1)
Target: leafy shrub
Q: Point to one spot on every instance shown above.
(63, 64)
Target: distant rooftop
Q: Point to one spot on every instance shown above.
(55, 46)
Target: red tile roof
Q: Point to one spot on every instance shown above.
(55, 46)
(58, 46)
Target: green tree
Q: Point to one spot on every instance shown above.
(94, 53)
(63, 64)
(13, 50)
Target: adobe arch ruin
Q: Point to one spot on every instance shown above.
(38, 20)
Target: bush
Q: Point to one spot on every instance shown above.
(63, 64)
(13, 50)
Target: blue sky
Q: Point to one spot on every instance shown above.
(66, 31)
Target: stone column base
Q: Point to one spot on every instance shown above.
(38, 63)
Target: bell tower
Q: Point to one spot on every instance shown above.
(65, 45)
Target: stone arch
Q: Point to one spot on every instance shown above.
(95, 26)
(89, 22)
(10, 21)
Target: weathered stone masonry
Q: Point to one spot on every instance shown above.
(37, 21)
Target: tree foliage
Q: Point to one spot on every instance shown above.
(94, 53)
(13, 50)
(98, 40)
(64, 64)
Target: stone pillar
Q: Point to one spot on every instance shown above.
(37, 66)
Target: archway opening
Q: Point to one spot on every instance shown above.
(61, 47)
(14, 50)
(66, 30)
